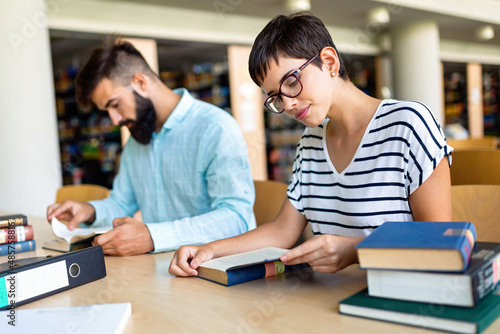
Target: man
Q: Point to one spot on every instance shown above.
(186, 166)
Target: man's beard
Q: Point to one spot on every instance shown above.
(143, 127)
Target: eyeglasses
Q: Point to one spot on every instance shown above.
(290, 87)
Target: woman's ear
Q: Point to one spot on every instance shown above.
(330, 60)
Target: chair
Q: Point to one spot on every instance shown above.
(269, 196)
(487, 142)
(81, 192)
(479, 204)
(475, 167)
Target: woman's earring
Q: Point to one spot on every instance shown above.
(333, 74)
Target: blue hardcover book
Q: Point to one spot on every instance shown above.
(431, 246)
(244, 267)
(17, 247)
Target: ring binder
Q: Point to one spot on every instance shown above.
(31, 279)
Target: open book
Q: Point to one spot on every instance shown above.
(244, 267)
(68, 241)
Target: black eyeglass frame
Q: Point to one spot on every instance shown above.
(277, 95)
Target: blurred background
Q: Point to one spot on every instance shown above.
(444, 53)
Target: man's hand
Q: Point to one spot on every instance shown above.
(326, 253)
(128, 237)
(188, 258)
(72, 211)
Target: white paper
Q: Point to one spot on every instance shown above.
(63, 232)
(101, 318)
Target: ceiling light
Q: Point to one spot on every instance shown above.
(379, 15)
(485, 33)
(297, 5)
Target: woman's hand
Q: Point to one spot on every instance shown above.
(326, 253)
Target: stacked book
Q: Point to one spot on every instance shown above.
(428, 274)
(16, 235)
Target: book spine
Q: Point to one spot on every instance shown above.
(9, 221)
(16, 234)
(18, 247)
(485, 278)
(467, 243)
(250, 273)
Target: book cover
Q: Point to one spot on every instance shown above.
(98, 318)
(244, 267)
(26, 280)
(16, 234)
(13, 220)
(68, 241)
(17, 247)
(433, 246)
(425, 315)
(459, 289)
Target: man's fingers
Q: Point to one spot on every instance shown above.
(104, 238)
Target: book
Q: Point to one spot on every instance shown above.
(426, 315)
(13, 220)
(17, 247)
(68, 241)
(244, 267)
(25, 280)
(16, 234)
(99, 318)
(459, 289)
(431, 246)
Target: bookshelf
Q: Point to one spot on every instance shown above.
(491, 100)
(89, 143)
(455, 93)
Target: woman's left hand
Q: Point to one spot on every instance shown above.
(325, 253)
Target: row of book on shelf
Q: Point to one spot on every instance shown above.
(16, 235)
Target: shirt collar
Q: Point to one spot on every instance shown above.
(180, 110)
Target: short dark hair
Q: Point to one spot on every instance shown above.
(300, 35)
(118, 61)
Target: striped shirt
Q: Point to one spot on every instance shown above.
(400, 149)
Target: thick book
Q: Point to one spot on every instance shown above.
(458, 289)
(17, 247)
(426, 315)
(25, 280)
(431, 246)
(98, 318)
(68, 241)
(16, 234)
(244, 267)
(13, 220)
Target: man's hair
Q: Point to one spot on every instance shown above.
(300, 35)
(118, 62)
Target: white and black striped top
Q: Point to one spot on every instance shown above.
(400, 149)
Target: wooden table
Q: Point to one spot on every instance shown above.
(300, 302)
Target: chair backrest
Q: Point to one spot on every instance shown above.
(269, 196)
(81, 192)
(472, 143)
(479, 204)
(475, 167)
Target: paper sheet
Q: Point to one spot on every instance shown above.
(62, 231)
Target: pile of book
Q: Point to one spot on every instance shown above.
(428, 274)
(16, 235)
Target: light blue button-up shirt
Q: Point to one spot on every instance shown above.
(192, 183)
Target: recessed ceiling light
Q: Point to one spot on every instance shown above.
(379, 15)
(485, 33)
(298, 5)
